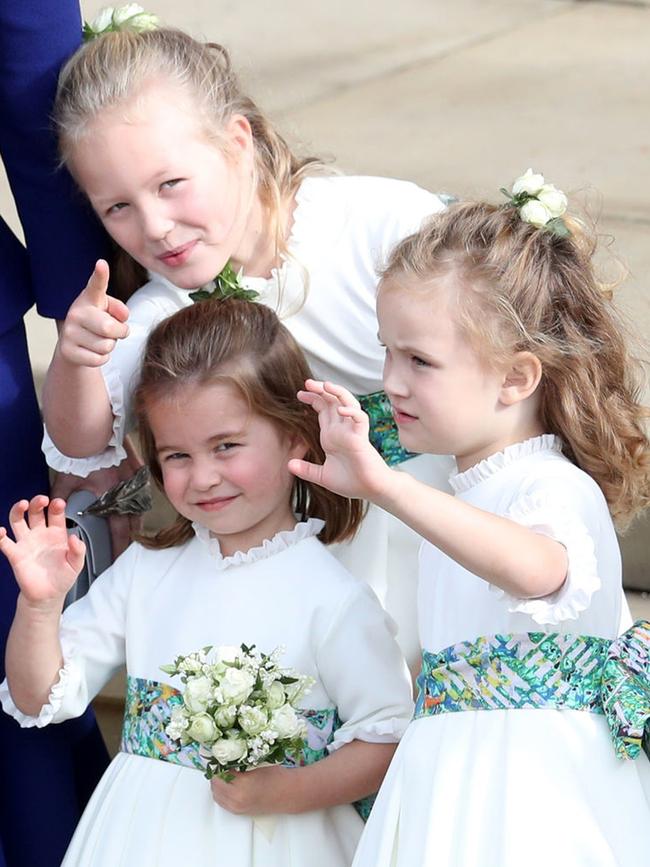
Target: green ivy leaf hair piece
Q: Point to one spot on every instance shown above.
(538, 203)
(227, 284)
(111, 19)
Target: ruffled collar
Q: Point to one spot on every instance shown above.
(492, 465)
(280, 542)
(297, 234)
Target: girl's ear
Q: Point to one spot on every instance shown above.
(298, 448)
(240, 136)
(521, 378)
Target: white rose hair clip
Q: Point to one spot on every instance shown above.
(128, 17)
(538, 203)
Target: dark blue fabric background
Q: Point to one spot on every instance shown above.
(46, 775)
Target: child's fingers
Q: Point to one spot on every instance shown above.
(36, 511)
(314, 385)
(56, 513)
(355, 413)
(17, 520)
(118, 310)
(306, 470)
(76, 553)
(342, 394)
(7, 545)
(306, 397)
(97, 287)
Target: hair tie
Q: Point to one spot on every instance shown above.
(111, 20)
(227, 284)
(538, 203)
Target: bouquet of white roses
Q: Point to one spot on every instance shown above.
(239, 706)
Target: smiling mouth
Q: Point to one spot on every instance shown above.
(179, 255)
(216, 504)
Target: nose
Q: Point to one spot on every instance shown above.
(156, 224)
(205, 474)
(395, 384)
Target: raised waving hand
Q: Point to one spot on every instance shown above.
(94, 323)
(352, 466)
(44, 558)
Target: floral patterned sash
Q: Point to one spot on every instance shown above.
(384, 435)
(547, 670)
(147, 711)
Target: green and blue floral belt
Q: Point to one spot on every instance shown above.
(384, 435)
(147, 711)
(547, 670)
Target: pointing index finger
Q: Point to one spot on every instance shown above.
(97, 287)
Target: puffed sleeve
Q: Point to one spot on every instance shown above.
(149, 306)
(573, 514)
(92, 641)
(364, 672)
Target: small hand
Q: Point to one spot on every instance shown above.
(94, 323)
(45, 559)
(261, 791)
(352, 467)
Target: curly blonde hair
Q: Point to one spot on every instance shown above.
(113, 69)
(527, 289)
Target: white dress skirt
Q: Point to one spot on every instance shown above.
(534, 787)
(151, 606)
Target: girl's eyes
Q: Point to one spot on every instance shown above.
(224, 447)
(114, 209)
(419, 362)
(174, 456)
(168, 185)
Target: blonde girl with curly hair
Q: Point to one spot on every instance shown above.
(503, 349)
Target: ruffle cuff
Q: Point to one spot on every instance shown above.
(386, 731)
(55, 710)
(582, 580)
(113, 454)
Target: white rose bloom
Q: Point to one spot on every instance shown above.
(198, 694)
(178, 723)
(252, 719)
(553, 200)
(202, 728)
(286, 723)
(123, 13)
(535, 212)
(228, 750)
(226, 716)
(529, 182)
(275, 695)
(236, 685)
(145, 21)
(103, 20)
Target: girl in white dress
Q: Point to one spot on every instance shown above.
(244, 563)
(187, 174)
(503, 349)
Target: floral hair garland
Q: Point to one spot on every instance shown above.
(110, 20)
(538, 203)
